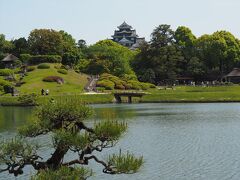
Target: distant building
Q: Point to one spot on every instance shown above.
(233, 76)
(126, 36)
(9, 61)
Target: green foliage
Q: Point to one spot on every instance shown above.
(160, 59)
(64, 119)
(5, 46)
(6, 72)
(43, 66)
(4, 82)
(68, 139)
(45, 41)
(62, 71)
(64, 173)
(57, 79)
(100, 89)
(28, 99)
(31, 68)
(17, 149)
(17, 64)
(125, 163)
(54, 115)
(71, 58)
(134, 84)
(110, 82)
(44, 59)
(5, 86)
(109, 130)
(107, 84)
(109, 57)
(20, 46)
(25, 57)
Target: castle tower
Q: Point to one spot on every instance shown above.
(126, 36)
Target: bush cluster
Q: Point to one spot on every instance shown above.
(5, 86)
(62, 71)
(110, 82)
(30, 59)
(6, 72)
(43, 66)
(57, 79)
(31, 68)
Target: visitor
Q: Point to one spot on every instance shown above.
(47, 92)
(42, 92)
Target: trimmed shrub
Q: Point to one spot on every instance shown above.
(150, 85)
(43, 66)
(144, 86)
(62, 71)
(17, 63)
(107, 84)
(45, 59)
(135, 84)
(25, 57)
(31, 68)
(6, 72)
(57, 79)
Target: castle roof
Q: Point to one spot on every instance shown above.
(124, 40)
(124, 25)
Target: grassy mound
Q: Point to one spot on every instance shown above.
(73, 82)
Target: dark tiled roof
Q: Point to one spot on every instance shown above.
(10, 58)
(124, 25)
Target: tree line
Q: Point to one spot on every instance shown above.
(169, 54)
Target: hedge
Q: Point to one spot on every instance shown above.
(113, 82)
(43, 66)
(31, 68)
(5, 86)
(37, 59)
(62, 71)
(107, 84)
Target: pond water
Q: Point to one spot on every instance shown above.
(178, 141)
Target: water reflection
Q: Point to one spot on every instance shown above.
(178, 141)
(13, 117)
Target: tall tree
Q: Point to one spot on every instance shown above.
(162, 36)
(110, 57)
(163, 54)
(45, 41)
(20, 46)
(5, 46)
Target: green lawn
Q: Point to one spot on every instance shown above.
(73, 82)
(194, 94)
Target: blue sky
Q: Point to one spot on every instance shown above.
(94, 20)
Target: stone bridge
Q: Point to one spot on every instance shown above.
(118, 96)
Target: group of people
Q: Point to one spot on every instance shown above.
(45, 92)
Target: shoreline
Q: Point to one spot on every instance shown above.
(141, 102)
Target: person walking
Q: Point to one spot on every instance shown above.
(42, 92)
(47, 92)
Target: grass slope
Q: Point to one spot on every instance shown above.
(74, 82)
